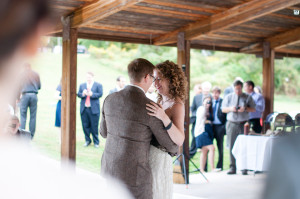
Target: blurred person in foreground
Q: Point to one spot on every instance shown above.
(25, 173)
(31, 85)
(14, 129)
(283, 178)
(255, 117)
(197, 102)
(237, 105)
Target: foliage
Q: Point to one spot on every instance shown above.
(220, 68)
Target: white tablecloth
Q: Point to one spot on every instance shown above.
(253, 152)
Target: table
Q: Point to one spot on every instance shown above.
(253, 152)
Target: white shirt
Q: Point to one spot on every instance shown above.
(137, 87)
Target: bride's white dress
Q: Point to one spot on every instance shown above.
(162, 171)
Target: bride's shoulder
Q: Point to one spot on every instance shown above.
(178, 104)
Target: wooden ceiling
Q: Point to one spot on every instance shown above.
(227, 25)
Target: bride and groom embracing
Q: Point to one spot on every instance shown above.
(143, 135)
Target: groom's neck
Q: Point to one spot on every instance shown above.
(143, 86)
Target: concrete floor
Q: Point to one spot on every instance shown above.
(221, 186)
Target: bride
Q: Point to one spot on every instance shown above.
(171, 84)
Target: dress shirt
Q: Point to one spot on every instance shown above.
(31, 82)
(137, 87)
(244, 100)
(260, 105)
(89, 88)
(216, 104)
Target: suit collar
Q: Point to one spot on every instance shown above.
(135, 86)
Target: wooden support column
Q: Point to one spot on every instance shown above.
(183, 60)
(268, 78)
(68, 105)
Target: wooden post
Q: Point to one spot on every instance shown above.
(183, 60)
(68, 105)
(268, 78)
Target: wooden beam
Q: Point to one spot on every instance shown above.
(165, 13)
(268, 78)
(181, 5)
(99, 10)
(278, 41)
(124, 29)
(284, 39)
(95, 11)
(68, 105)
(183, 60)
(231, 17)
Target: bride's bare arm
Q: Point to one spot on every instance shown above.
(176, 132)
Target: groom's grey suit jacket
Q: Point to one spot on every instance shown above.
(129, 130)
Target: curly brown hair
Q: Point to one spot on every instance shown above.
(177, 80)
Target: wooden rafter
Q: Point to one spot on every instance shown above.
(231, 17)
(180, 5)
(124, 29)
(165, 13)
(278, 41)
(99, 10)
(96, 11)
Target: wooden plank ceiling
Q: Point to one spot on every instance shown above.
(231, 25)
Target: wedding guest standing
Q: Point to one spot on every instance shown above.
(31, 86)
(90, 92)
(58, 110)
(255, 117)
(237, 105)
(218, 124)
(121, 83)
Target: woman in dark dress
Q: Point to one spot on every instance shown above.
(58, 109)
(204, 133)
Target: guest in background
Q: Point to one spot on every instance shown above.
(204, 133)
(257, 89)
(197, 102)
(31, 84)
(151, 94)
(237, 105)
(90, 92)
(121, 83)
(255, 117)
(218, 124)
(58, 110)
(230, 89)
(197, 89)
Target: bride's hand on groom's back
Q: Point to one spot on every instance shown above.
(155, 110)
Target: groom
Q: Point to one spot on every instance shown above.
(129, 130)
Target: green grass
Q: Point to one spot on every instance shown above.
(49, 66)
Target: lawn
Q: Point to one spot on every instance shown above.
(48, 65)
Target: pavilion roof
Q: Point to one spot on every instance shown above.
(226, 25)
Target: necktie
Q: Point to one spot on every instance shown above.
(88, 100)
(215, 110)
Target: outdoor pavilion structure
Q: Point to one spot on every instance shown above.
(266, 28)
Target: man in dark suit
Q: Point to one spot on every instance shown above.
(129, 129)
(218, 124)
(197, 101)
(90, 92)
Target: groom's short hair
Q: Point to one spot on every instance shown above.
(139, 68)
